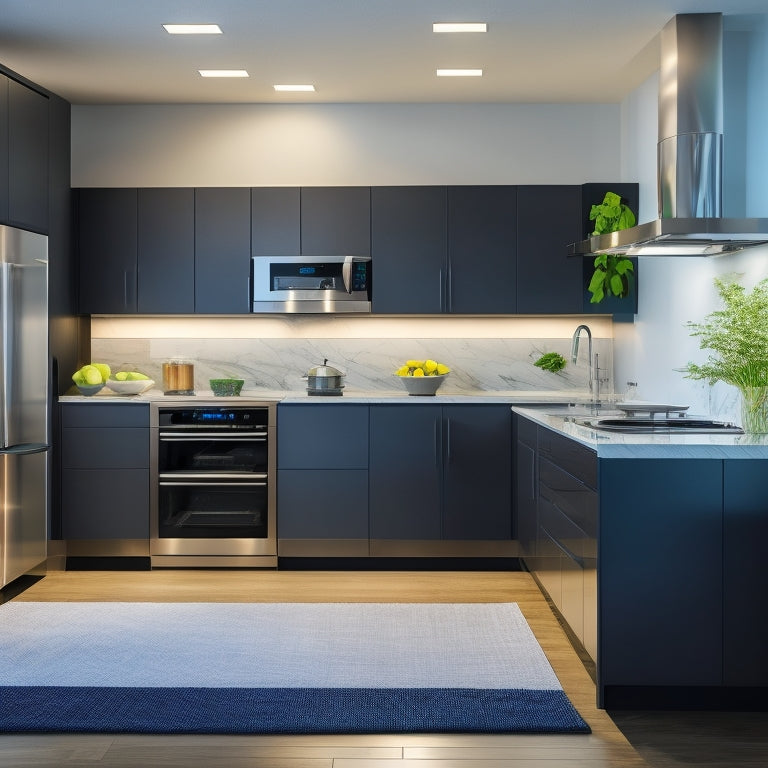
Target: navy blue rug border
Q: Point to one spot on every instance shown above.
(53, 709)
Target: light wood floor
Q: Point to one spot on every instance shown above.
(605, 747)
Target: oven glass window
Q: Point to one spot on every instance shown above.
(194, 511)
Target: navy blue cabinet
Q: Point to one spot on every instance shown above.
(679, 555)
(405, 477)
(409, 249)
(483, 270)
(107, 250)
(745, 577)
(336, 221)
(322, 480)
(222, 250)
(440, 473)
(165, 251)
(661, 572)
(548, 219)
(27, 158)
(105, 471)
(275, 221)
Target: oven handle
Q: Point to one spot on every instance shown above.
(212, 436)
(197, 484)
(212, 476)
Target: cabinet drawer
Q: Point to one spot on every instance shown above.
(571, 497)
(105, 415)
(91, 448)
(574, 458)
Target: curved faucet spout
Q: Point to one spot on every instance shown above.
(575, 349)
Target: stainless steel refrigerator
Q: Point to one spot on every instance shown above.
(24, 446)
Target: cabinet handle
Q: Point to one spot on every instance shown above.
(449, 297)
(448, 440)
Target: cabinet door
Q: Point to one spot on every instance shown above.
(3, 148)
(477, 472)
(275, 221)
(166, 251)
(336, 221)
(548, 220)
(322, 437)
(660, 571)
(222, 250)
(405, 475)
(323, 504)
(27, 157)
(107, 250)
(409, 249)
(745, 577)
(482, 227)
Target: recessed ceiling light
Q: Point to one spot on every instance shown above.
(304, 88)
(459, 72)
(462, 26)
(192, 29)
(223, 73)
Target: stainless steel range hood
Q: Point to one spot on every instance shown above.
(690, 150)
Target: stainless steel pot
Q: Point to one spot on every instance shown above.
(324, 380)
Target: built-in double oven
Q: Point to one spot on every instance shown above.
(213, 498)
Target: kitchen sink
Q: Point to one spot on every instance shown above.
(663, 426)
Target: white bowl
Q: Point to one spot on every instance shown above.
(135, 387)
(423, 385)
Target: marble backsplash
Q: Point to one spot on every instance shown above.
(484, 364)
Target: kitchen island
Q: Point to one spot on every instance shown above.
(650, 547)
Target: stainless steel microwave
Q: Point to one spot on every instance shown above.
(311, 284)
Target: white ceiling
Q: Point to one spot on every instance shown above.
(116, 51)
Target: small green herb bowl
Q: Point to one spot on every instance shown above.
(226, 387)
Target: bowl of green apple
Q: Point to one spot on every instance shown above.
(129, 383)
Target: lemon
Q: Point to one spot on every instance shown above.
(429, 366)
(442, 369)
(418, 371)
(402, 370)
(414, 363)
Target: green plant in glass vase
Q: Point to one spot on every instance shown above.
(613, 272)
(737, 334)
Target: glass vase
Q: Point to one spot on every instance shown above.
(754, 410)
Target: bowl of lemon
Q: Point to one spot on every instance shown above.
(422, 377)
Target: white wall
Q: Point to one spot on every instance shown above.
(675, 290)
(337, 144)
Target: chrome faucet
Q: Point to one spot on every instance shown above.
(594, 364)
(575, 349)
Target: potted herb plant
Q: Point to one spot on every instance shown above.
(613, 273)
(737, 334)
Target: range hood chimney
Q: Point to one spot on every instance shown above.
(690, 150)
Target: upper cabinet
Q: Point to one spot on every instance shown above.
(409, 249)
(436, 250)
(548, 218)
(482, 250)
(311, 221)
(107, 246)
(23, 156)
(222, 250)
(335, 221)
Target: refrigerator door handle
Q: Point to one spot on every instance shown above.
(6, 346)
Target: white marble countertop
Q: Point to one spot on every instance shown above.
(619, 445)
(510, 397)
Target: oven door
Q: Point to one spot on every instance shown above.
(213, 500)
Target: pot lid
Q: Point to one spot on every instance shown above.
(324, 370)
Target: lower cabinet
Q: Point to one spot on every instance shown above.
(656, 564)
(394, 480)
(105, 476)
(322, 480)
(440, 479)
